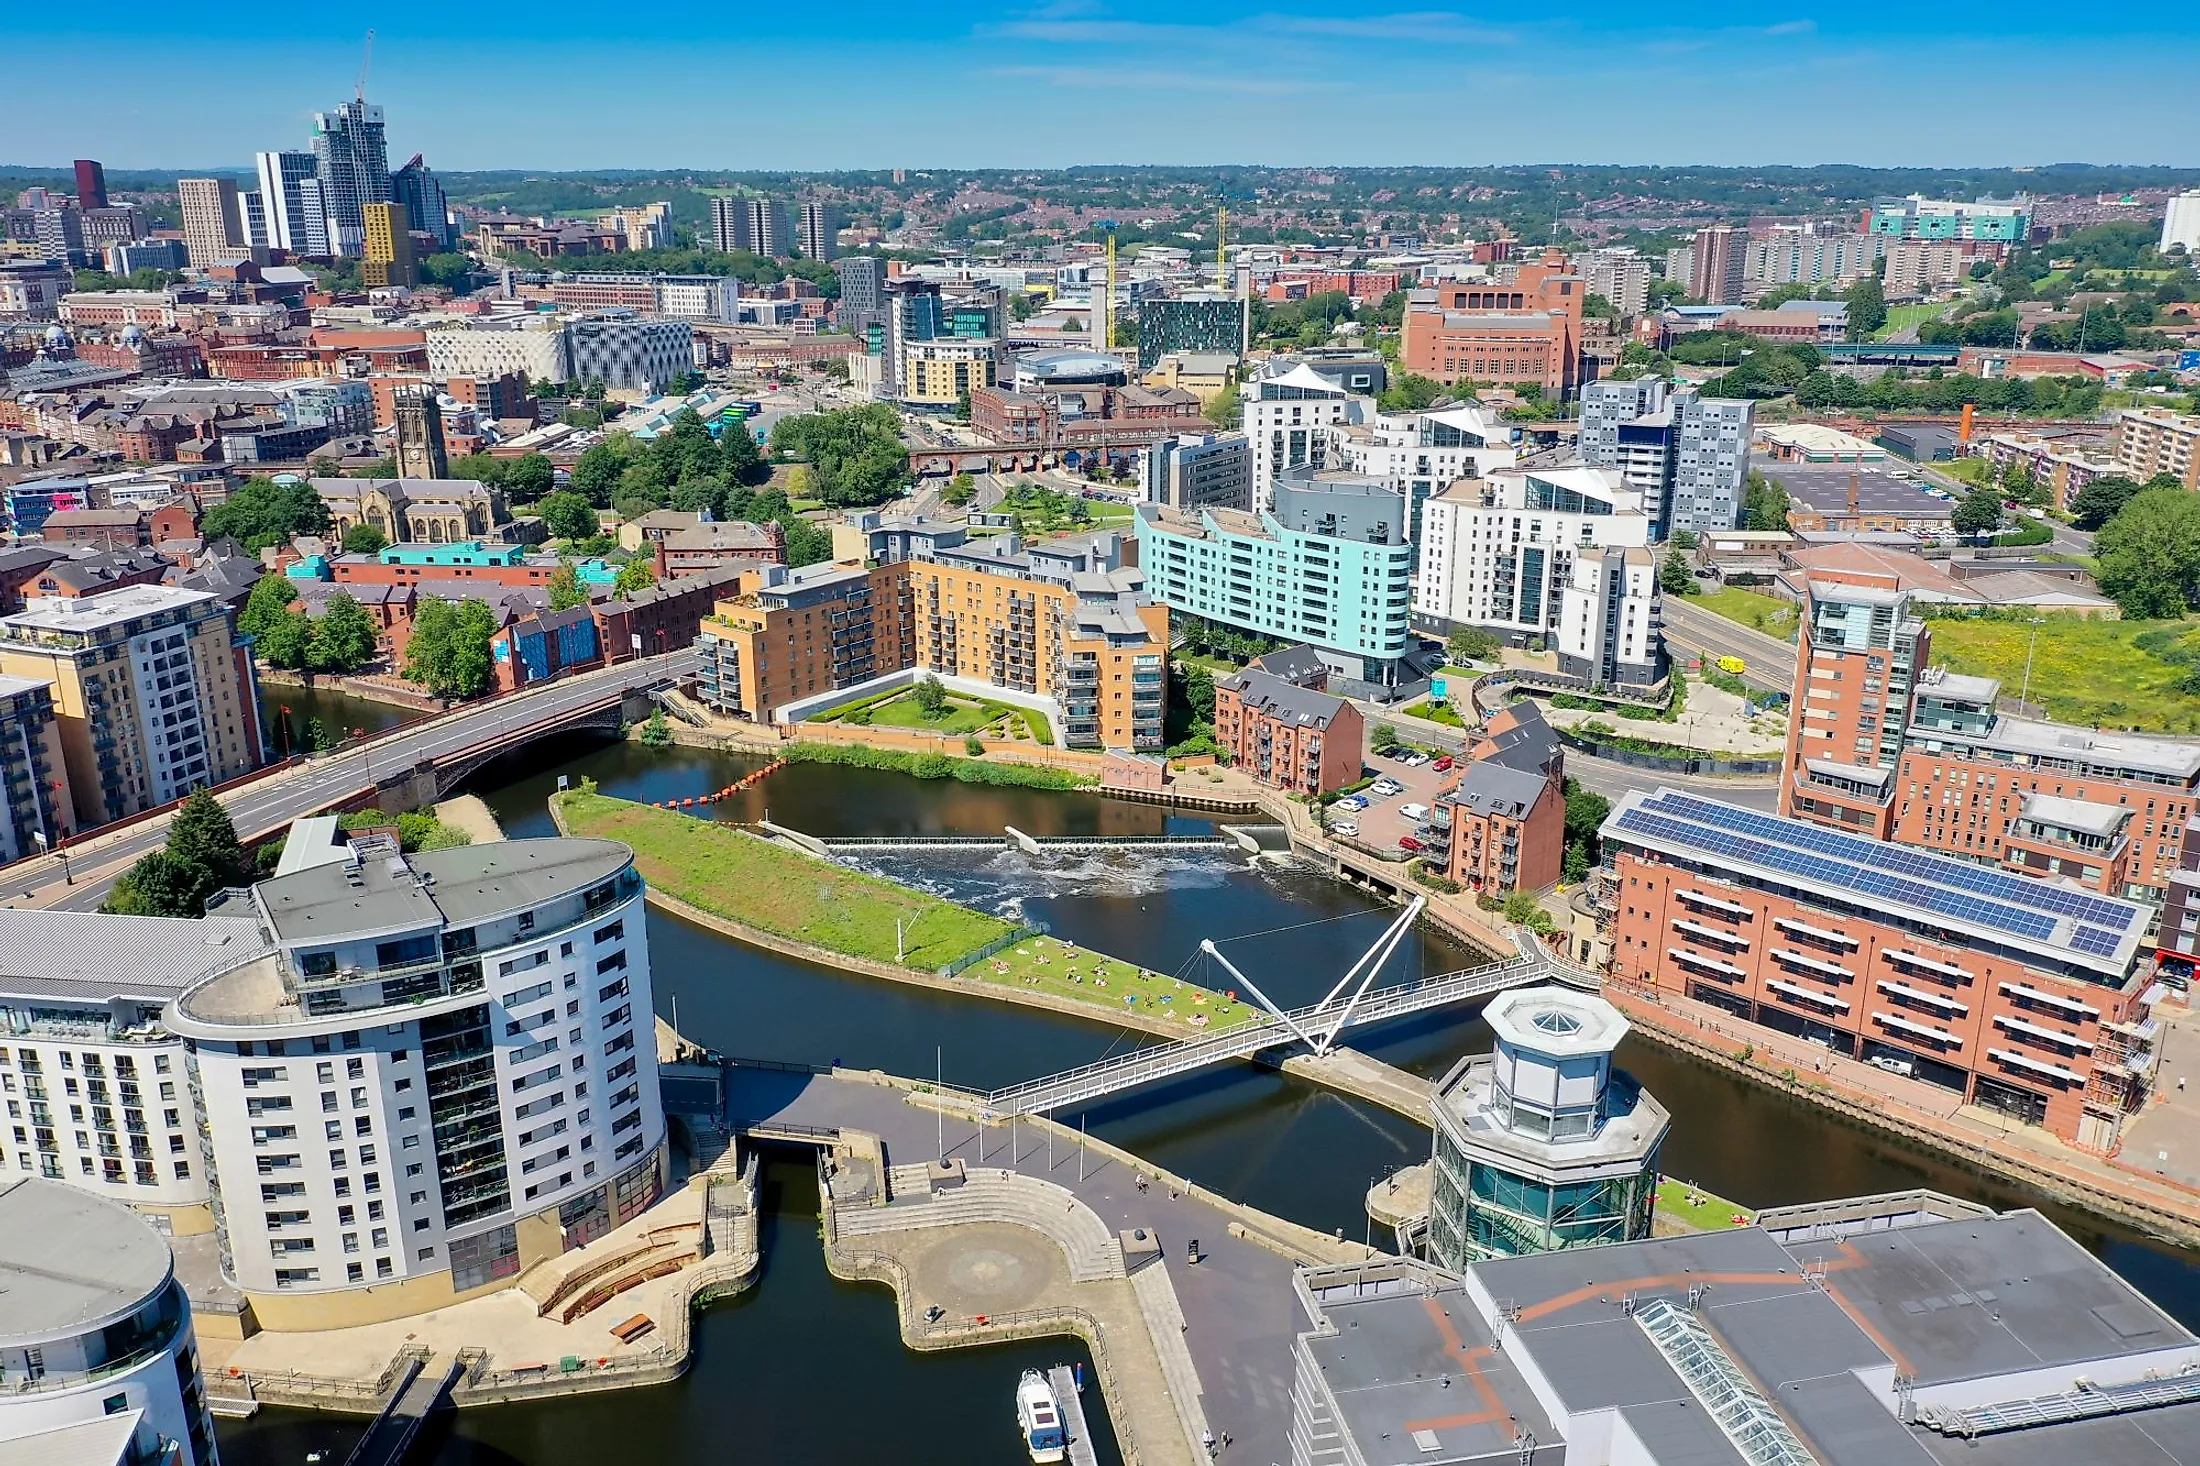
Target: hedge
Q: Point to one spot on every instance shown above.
(936, 766)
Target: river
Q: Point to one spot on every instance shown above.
(1278, 1143)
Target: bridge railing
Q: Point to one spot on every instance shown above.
(1166, 1060)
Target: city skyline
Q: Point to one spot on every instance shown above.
(1250, 83)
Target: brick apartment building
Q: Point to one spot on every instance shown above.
(1508, 808)
(2021, 995)
(1883, 744)
(1064, 620)
(1288, 733)
(1525, 330)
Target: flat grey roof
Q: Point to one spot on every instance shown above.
(1824, 487)
(90, 957)
(471, 883)
(71, 1262)
(1960, 687)
(2111, 750)
(101, 1441)
(1412, 1373)
(93, 613)
(2076, 814)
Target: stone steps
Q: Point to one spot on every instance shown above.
(996, 1196)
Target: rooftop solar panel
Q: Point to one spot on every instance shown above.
(1893, 874)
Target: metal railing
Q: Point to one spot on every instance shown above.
(1148, 1066)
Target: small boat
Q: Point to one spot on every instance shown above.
(1039, 1419)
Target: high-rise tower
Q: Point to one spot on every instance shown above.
(353, 161)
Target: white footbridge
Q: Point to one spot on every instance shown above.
(1314, 1028)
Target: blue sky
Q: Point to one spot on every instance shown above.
(869, 83)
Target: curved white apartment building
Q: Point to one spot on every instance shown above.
(437, 1069)
(97, 1356)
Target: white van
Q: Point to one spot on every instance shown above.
(1414, 812)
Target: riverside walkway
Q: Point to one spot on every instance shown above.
(1238, 1311)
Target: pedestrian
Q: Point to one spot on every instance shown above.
(2180, 1083)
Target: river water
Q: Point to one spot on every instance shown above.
(777, 1370)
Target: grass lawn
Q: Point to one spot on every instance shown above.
(1706, 1213)
(731, 873)
(1219, 666)
(2085, 672)
(1902, 317)
(1769, 614)
(1108, 510)
(1973, 471)
(959, 716)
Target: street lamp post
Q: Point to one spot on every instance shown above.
(46, 847)
(2025, 696)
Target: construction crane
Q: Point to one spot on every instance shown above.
(364, 62)
(1106, 314)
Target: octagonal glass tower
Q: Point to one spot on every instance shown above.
(1542, 1144)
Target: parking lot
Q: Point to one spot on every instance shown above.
(1384, 821)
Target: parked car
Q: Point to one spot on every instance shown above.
(1387, 788)
(1344, 827)
(1407, 842)
(1414, 812)
(1442, 764)
(1353, 802)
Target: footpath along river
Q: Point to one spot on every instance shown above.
(778, 1371)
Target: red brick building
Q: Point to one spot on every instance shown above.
(1508, 807)
(2020, 995)
(1884, 744)
(1524, 330)
(105, 529)
(1287, 736)
(722, 544)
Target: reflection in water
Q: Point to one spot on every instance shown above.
(784, 1358)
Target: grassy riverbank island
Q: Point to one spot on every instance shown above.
(783, 897)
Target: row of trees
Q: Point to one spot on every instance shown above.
(261, 512)
(633, 477)
(202, 856)
(342, 639)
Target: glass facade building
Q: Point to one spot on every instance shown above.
(1542, 1145)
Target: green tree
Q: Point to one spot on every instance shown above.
(262, 513)
(1979, 513)
(528, 478)
(565, 589)
(855, 454)
(960, 489)
(1472, 644)
(597, 472)
(2103, 499)
(1411, 392)
(1383, 739)
(656, 732)
(1674, 576)
(317, 736)
(1867, 300)
(270, 600)
(962, 405)
(448, 270)
(1227, 408)
(449, 651)
(344, 639)
(160, 884)
(931, 696)
(2148, 557)
(201, 832)
(286, 640)
(365, 539)
(570, 516)
(807, 543)
(1765, 504)
(636, 574)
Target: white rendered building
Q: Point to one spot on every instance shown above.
(1287, 418)
(1499, 552)
(1418, 454)
(1610, 622)
(440, 1069)
(96, 1089)
(98, 1361)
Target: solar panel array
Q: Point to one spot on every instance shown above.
(1884, 872)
